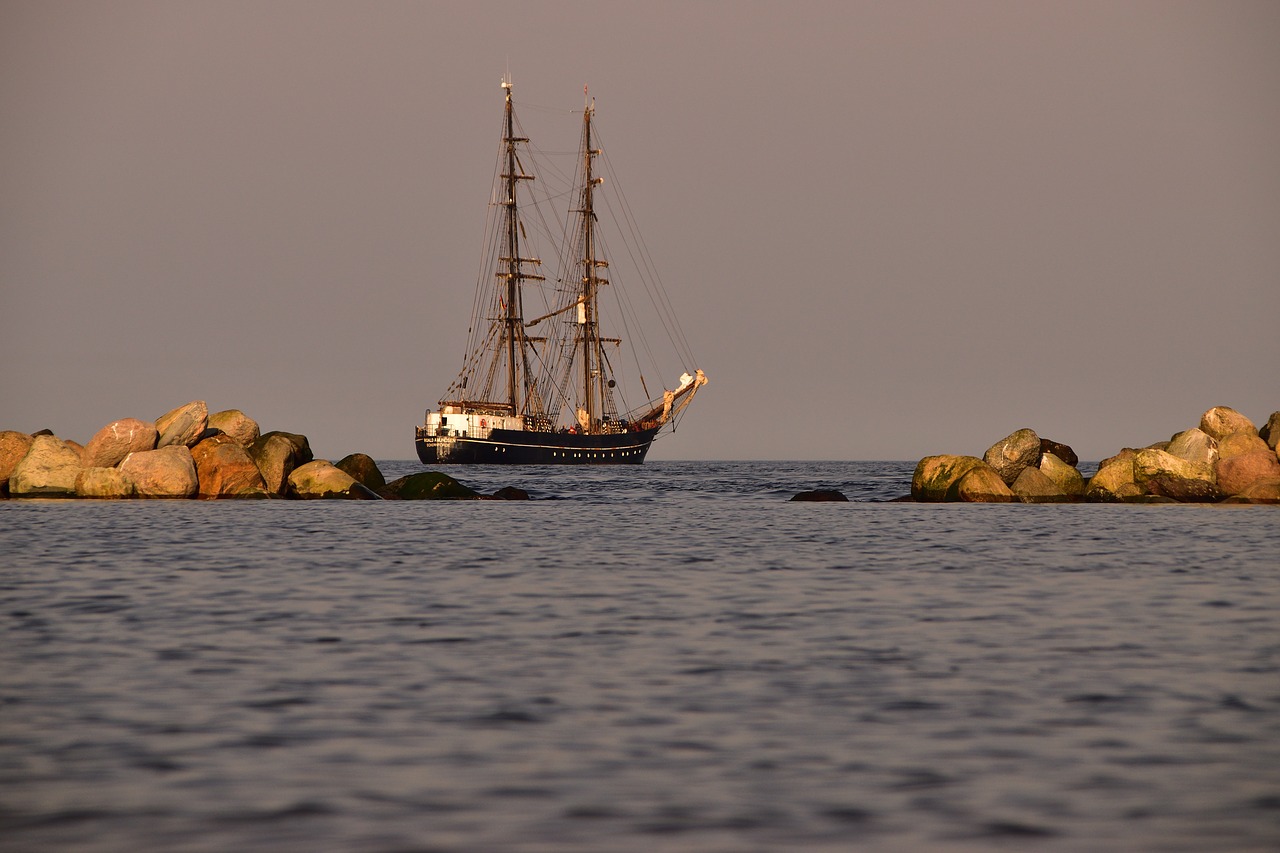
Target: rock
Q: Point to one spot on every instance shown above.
(1195, 445)
(47, 470)
(117, 440)
(184, 425)
(321, 479)
(1144, 498)
(13, 446)
(1237, 473)
(935, 476)
(820, 495)
(1270, 431)
(1221, 421)
(1263, 492)
(511, 493)
(1159, 472)
(363, 469)
(236, 424)
(276, 454)
(982, 484)
(1240, 443)
(1130, 493)
(224, 469)
(427, 485)
(1060, 450)
(1113, 474)
(1063, 475)
(1034, 487)
(1159, 445)
(166, 472)
(1013, 454)
(104, 483)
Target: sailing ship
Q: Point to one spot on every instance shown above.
(551, 390)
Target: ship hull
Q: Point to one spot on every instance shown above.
(518, 447)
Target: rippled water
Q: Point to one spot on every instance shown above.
(665, 658)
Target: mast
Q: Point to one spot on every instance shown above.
(514, 274)
(588, 315)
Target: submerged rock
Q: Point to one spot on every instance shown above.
(427, 485)
(47, 470)
(166, 472)
(111, 444)
(1013, 454)
(821, 495)
(511, 493)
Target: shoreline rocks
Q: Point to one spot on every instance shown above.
(1225, 459)
(188, 453)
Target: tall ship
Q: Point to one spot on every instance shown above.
(553, 388)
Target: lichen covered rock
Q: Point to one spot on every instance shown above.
(47, 470)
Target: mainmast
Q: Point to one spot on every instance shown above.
(593, 389)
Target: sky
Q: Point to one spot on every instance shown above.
(891, 229)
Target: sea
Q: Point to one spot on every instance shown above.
(673, 657)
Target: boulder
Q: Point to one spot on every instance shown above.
(166, 472)
(982, 484)
(47, 470)
(1263, 492)
(1270, 431)
(1063, 474)
(1237, 473)
(321, 479)
(236, 424)
(13, 446)
(1159, 472)
(1114, 473)
(276, 454)
(511, 493)
(363, 469)
(1060, 450)
(819, 495)
(1013, 454)
(427, 485)
(117, 440)
(1221, 421)
(935, 476)
(104, 483)
(1240, 443)
(184, 425)
(1195, 445)
(224, 469)
(1034, 487)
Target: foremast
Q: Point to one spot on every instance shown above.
(593, 377)
(520, 391)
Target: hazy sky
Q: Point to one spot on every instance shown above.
(893, 229)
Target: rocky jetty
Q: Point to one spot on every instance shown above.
(189, 452)
(1225, 459)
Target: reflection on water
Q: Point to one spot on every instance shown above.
(665, 658)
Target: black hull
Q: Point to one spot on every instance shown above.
(515, 447)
